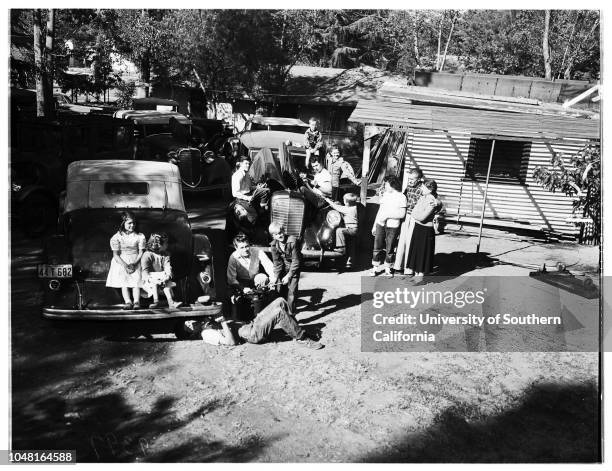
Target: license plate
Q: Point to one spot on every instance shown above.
(54, 271)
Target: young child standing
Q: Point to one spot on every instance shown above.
(286, 256)
(157, 271)
(313, 140)
(124, 272)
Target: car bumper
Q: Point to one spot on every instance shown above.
(115, 313)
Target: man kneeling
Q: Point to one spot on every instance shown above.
(274, 316)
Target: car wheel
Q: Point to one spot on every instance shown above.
(38, 214)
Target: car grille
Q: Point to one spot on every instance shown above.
(189, 166)
(288, 209)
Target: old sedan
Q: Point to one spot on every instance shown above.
(168, 136)
(77, 260)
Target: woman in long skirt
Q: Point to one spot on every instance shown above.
(423, 243)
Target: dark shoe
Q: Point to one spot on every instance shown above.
(309, 343)
(136, 305)
(127, 306)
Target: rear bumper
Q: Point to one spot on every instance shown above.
(115, 313)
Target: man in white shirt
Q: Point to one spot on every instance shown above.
(245, 190)
(274, 316)
(321, 186)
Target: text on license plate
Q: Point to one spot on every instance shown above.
(55, 271)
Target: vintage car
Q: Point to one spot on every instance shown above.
(315, 226)
(167, 136)
(268, 132)
(41, 151)
(76, 260)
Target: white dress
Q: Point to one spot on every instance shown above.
(128, 245)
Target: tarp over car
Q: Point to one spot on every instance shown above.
(156, 185)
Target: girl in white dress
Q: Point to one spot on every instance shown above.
(125, 272)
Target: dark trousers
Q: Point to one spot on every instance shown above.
(274, 316)
(346, 239)
(289, 291)
(337, 193)
(383, 244)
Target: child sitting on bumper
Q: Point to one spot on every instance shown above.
(157, 271)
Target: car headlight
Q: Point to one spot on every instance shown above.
(333, 218)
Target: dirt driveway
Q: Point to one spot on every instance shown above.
(114, 398)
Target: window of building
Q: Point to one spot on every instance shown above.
(509, 164)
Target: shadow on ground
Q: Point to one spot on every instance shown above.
(553, 423)
(104, 428)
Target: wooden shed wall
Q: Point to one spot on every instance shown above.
(442, 156)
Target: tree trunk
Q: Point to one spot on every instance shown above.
(415, 40)
(49, 65)
(569, 41)
(145, 73)
(450, 35)
(439, 41)
(38, 63)
(546, 46)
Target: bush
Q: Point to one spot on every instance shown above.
(126, 94)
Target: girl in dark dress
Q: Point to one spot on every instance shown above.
(423, 243)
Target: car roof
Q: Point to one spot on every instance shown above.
(122, 170)
(152, 116)
(271, 139)
(278, 121)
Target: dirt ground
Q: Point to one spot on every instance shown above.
(116, 398)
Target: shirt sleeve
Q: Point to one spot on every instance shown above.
(348, 169)
(424, 208)
(115, 243)
(142, 242)
(276, 259)
(236, 185)
(266, 262)
(324, 182)
(146, 262)
(296, 255)
(212, 336)
(167, 267)
(319, 142)
(231, 272)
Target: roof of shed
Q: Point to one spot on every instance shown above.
(509, 120)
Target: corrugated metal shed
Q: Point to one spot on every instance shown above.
(437, 139)
(474, 121)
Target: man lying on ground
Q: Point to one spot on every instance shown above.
(274, 316)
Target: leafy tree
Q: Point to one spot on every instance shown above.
(578, 176)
